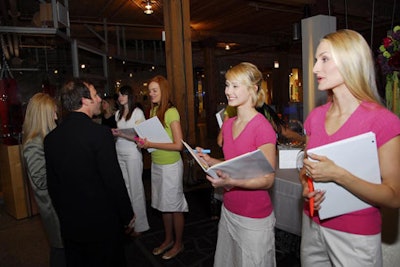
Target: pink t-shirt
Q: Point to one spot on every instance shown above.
(258, 131)
(367, 117)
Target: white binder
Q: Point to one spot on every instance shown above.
(358, 155)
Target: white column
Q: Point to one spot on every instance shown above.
(312, 30)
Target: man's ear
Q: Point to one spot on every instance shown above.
(83, 100)
(86, 101)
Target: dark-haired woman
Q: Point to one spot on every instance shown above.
(130, 156)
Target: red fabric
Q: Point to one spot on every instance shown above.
(11, 116)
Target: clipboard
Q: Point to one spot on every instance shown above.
(358, 155)
(249, 165)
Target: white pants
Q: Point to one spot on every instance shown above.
(324, 247)
(245, 242)
(132, 168)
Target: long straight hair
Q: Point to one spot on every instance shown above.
(355, 63)
(127, 90)
(39, 117)
(165, 102)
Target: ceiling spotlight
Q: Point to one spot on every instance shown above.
(148, 11)
(227, 47)
(149, 8)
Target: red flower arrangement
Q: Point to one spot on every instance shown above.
(389, 60)
(389, 57)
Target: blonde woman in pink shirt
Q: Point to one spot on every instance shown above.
(246, 228)
(345, 68)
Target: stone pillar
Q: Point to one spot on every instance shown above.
(312, 30)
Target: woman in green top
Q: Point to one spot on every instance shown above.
(167, 170)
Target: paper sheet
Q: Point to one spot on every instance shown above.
(153, 130)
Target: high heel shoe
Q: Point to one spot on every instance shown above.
(168, 255)
(161, 250)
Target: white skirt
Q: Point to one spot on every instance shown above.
(167, 187)
(245, 242)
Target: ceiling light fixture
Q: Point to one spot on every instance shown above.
(149, 8)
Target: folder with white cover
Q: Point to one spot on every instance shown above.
(153, 130)
(359, 156)
(249, 165)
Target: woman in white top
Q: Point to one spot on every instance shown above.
(130, 156)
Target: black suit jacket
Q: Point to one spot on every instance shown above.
(85, 181)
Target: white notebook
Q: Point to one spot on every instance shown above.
(153, 130)
(358, 155)
(249, 165)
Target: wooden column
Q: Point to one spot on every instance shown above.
(211, 87)
(178, 52)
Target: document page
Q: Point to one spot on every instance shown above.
(153, 130)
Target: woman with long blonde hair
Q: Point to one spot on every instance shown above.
(40, 119)
(344, 68)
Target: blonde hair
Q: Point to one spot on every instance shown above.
(39, 117)
(354, 60)
(249, 75)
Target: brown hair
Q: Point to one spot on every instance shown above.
(128, 91)
(165, 102)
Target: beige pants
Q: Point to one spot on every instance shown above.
(324, 247)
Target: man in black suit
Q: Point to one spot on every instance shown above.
(85, 182)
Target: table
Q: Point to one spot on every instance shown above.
(286, 196)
